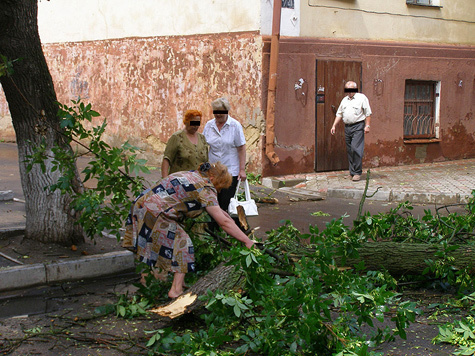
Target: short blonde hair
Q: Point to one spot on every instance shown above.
(190, 115)
(220, 104)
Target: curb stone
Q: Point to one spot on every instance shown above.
(6, 195)
(4, 233)
(357, 194)
(426, 198)
(26, 276)
(388, 195)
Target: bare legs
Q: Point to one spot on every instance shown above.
(177, 285)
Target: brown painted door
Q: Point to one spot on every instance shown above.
(330, 152)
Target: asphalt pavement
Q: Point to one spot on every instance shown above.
(443, 183)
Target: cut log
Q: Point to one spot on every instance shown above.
(221, 278)
(408, 259)
(242, 220)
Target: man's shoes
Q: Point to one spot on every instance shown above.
(349, 176)
(356, 178)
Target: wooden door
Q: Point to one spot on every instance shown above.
(331, 76)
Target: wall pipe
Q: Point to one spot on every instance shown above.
(271, 90)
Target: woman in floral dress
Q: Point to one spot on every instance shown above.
(154, 228)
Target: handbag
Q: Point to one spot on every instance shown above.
(249, 205)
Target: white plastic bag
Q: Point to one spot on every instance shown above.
(249, 205)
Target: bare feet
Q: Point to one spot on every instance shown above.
(174, 294)
(177, 285)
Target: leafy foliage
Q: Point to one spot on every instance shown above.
(130, 308)
(254, 179)
(316, 309)
(448, 232)
(113, 171)
(461, 333)
(400, 226)
(313, 307)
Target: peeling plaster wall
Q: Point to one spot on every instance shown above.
(142, 86)
(7, 133)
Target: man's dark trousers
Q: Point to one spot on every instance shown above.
(354, 137)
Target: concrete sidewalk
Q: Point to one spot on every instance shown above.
(440, 183)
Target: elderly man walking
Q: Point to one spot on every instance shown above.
(355, 112)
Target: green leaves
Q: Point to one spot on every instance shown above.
(111, 174)
(461, 333)
(249, 256)
(405, 314)
(6, 66)
(130, 307)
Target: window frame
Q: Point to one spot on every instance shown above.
(288, 4)
(419, 103)
(432, 3)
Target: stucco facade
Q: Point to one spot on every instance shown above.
(385, 68)
(451, 22)
(143, 86)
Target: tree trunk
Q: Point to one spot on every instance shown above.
(408, 259)
(32, 100)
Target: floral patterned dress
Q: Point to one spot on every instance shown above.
(154, 230)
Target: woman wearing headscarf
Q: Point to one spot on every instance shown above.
(186, 148)
(155, 230)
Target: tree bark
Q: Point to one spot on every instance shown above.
(32, 101)
(221, 278)
(408, 259)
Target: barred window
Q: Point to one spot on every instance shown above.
(419, 109)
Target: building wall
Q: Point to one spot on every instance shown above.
(453, 22)
(143, 86)
(89, 20)
(386, 66)
(142, 64)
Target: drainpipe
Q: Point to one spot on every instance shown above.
(274, 54)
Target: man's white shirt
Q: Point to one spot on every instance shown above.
(353, 110)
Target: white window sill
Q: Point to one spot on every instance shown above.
(426, 5)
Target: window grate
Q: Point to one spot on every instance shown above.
(419, 118)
